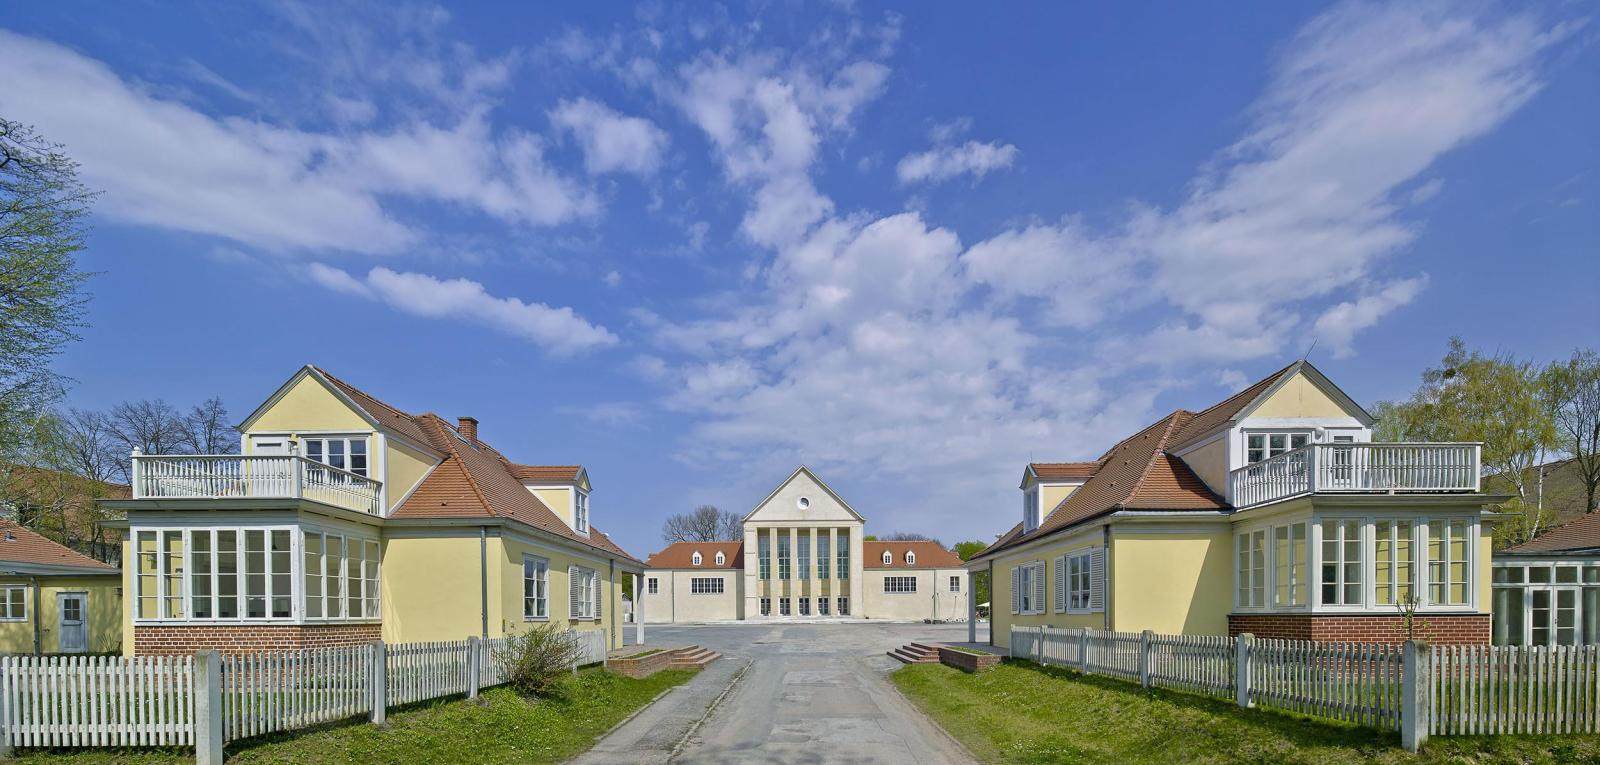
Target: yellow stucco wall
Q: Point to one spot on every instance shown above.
(1485, 581)
(104, 614)
(506, 612)
(1299, 397)
(1050, 496)
(1210, 462)
(404, 469)
(1171, 582)
(559, 500)
(1001, 619)
(308, 405)
(431, 588)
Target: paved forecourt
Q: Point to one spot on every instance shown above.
(788, 693)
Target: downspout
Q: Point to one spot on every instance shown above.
(991, 602)
(483, 579)
(1105, 546)
(38, 641)
(611, 588)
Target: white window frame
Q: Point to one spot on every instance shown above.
(766, 606)
(911, 558)
(296, 575)
(1298, 567)
(703, 585)
(346, 439)
(888, 558)
(843, 605)
(900, 585)
(5, 603)
(722, 560)
(1250, 569)
(1031, 516)
(955, 583)
(1080, 581)
(696, 559)
(1420, 562)
(652, 585)
(371, 587)
(783, 606)
(1030, 572)
(580, 510)
(822, 606)
(804, 605)
(540, 600)
(1267, 449)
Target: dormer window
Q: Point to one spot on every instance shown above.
(1265, 446)
(911, 558)
(1030, 509)
(580, 513)
(696, 558)
(722, 560)
(888, 559)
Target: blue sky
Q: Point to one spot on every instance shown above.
(910, 247)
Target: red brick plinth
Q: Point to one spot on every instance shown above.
(1440, 629)
(170, 639)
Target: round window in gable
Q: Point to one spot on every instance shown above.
(803, 503)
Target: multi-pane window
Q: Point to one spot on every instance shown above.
(844, 560)
(1341, 562)
(1289, 566)
(722, 560)
(822, 606)
(583, 590)
(911, 558)
(805, 606)
(783, 556)
(227, 574)
(1030, 509)
(783, 606)
(888, 558)
(653, 585)
(766, 606)
(804, 563)
(705, 585)
(1447, 562)
(1078, 580)
(340, 575)
(696, 559)
(764, 553)
(344, 453)
(844, 606)
(535, 588)
(893, 584)
(1252, 569)
(1029, 581)
(823, 558)
(1262, 446)
(955, 584)
(1392, 568)
(13, 604)
(580, 510)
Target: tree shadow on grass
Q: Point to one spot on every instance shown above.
(1298, 730)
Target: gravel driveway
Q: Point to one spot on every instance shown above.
(787, 693)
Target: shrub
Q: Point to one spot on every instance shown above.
(536, 660)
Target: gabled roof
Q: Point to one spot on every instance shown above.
(1046, 472)
(473, 480)
(818, 481)
(1241, 404)
(21, 545)
(1582, 534)
(681, 555)
(928, 555)
(548, 473)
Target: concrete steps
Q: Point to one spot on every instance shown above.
(693, 657)
(916, 653)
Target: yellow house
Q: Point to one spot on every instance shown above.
(1272, 512)
(345, 520)
(53, 599)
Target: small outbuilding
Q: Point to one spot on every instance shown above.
(54, 599)
(1547, 590)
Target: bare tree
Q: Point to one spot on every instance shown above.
(85, 446)
(904, 536)
(207, 431)
(706, 524)
(151, 426)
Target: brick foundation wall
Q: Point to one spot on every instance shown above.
(158, 640)
(1440, 629)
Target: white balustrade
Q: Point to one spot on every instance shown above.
(230, 476)
(1373, 468)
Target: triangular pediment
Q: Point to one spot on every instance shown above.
(803, 497)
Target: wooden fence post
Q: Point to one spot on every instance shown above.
(6, 723)
(1413, 695)
(1083, 650)
(1243, 645)
(379, 681)
(1038, 645)
(208, 708)
(1144, 658)
(474, 646)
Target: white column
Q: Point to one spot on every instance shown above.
(638, 609)
(972, 610)
(833, 570)
(813, 585)
(794, 571)
(772, 568)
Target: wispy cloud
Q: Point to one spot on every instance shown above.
(945, 162)
(612, 142)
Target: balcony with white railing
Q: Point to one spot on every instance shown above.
(231, 476)
(1358, 468)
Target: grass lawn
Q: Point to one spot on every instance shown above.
(1025, 713)
(506, 729)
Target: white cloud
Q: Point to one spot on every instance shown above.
(945, 162)
(612, 142)
(162, 163)
(1339, 324)
(558, 330)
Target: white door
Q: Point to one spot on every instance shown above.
(270, 446)
(74, 609)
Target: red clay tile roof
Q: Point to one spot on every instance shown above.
(1214, 416)
(19, 544)
(547, 473)
(1064, 471)
(1581, 533)
(1136, 474)
(473, 480)
(928, 555)
(681, 555)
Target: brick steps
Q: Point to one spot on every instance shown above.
(916, 653)
(693, 657)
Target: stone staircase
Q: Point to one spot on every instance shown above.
(693, 657)
(917, 653)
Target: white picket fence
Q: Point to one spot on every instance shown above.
(1491, 690)
(1354, 682)
(105, 701)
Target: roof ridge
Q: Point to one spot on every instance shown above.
(1158, 451)
(380, 402)
(461, 464)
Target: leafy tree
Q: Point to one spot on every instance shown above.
(980, 579)
(901, 536)
(1497, 400)
(707, 523)
(42, 212)
(1572, 392)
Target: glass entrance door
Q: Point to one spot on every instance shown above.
(1554, 616)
